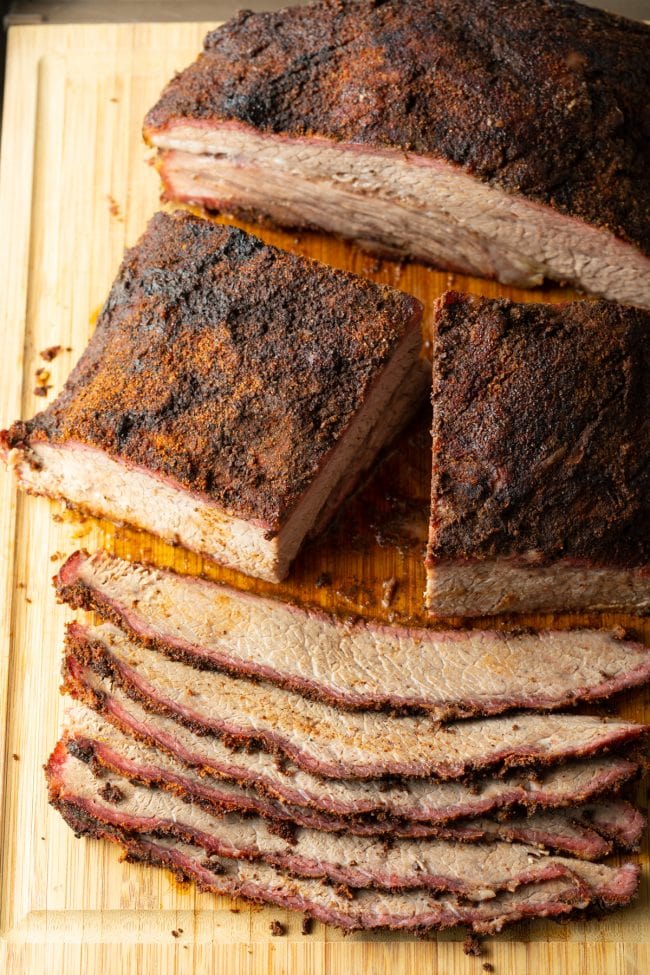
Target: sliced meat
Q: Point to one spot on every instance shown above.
(351, 664)
(482, 140)
(332, 743)
(231, 396)
(94, 740)
(402, 805)
(603, 888)
(477, 871)
(541, 433)
(624, 828)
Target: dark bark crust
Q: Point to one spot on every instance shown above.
(230, 367)
(547, 98)
(541, 432)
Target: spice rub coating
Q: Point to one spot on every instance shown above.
(551, 104)
(226, 365)
(541, 432)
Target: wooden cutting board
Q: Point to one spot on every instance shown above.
(75, 189)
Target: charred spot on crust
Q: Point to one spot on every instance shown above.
(111, 793)
(538, 448)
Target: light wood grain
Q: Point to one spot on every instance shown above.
(74, 190)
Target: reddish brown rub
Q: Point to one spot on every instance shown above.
(541, 102)
(541, 433)
(240, 390)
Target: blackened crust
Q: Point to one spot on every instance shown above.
(543, 97)
(540, 432)
(230, 367)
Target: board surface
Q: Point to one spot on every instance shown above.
(75, 188)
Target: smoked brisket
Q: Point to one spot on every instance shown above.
(231, 396)
(541, 436)
(505, 139)
(332, 743)
(404, 805)
(351, 664)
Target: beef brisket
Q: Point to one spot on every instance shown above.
(230, 398)
(332, 743)
(588, 832)
(541, 434)
(502, 139)
(362, 806)
(593, 888)
(477, 871)
(351, 664)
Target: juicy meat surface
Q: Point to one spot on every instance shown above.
(476, 870)
(600, 888)
(240, 389)
(494, 131)
(351, 664)
(332, 743)
(394, 805)
(589, 832)
(540, 486)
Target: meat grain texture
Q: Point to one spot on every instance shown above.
(506, 139)
(325, 741)
(351, 664)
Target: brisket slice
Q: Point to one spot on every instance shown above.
(416, 911)
(541, 433)
(502, 139)
(92, 739)
(477, 871)
(231, 396)
(387, 806)
(331, 743)
(351, 664)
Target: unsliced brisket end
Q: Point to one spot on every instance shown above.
(388, 806)
(231, 396)
(331, 743)
(588, 832)
(541, 433)
(416, 911)
(351, 664)
(508, 140)
(477, 871)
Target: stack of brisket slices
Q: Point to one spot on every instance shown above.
(279, 754)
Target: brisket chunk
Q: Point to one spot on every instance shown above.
(351, 664)
(541, 434)
(331, 743)
(498, 138)
(230, 398)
